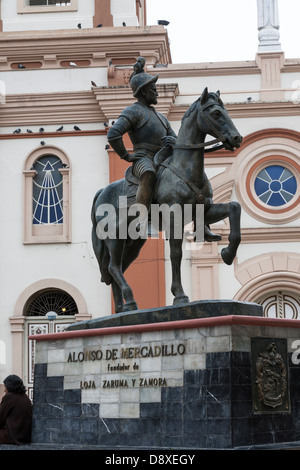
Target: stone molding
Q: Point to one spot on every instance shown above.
(112, 100)
(249, 110)
(268, 272)
(266, 264)
(263, 235)
(47, 134)
(208, 69)
(99, 105)
(50, 49)
(103, 103)
(229, 320)
(50, 108)
(269, 283)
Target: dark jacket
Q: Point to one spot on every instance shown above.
(16, 417)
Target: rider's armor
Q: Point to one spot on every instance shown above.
(144, 125)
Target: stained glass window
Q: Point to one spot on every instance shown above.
(48, 191)
(275, 185)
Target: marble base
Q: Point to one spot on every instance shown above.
(184, 383)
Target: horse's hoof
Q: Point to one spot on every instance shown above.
(181, 300)
(227, 257)
(129, 306)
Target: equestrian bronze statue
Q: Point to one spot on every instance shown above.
(166, 170)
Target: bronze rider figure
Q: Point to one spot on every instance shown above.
(149, 131)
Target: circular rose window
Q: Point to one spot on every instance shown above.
(275, 185)
(267, 180)
(272, 187)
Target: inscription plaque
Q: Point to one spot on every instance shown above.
(269, 375)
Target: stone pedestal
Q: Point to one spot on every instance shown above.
(223, 381)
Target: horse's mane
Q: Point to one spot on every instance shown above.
(191, 109)
(211, 95)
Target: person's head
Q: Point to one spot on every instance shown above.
(143, 84)
(14, 384)
(148, 94)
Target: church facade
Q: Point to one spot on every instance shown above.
(64, 72)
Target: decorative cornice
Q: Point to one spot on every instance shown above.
(97, 46)
(98, 105)
(207, 69)
(50, 108)
(247, 110)
(113, 100)
(45, 135)
(262, 235)
(103, 103)
(291, 66)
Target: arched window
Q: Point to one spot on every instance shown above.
(50, 300)
(47, 197)
(47, 191)
(30, 318)
(48, 310)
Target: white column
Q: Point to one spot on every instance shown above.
(268, 26)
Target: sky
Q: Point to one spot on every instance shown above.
(221, 30)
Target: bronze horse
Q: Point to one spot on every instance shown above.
(180, 179)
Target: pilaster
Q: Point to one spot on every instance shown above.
(271, 65)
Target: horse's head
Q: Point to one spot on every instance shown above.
(213, 119)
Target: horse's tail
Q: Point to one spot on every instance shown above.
(99, 246)
(93, 213)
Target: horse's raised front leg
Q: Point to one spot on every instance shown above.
(176, 256)
(218, 212)
(116, 249)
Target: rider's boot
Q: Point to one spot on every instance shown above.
(144, 197)
(145, 190)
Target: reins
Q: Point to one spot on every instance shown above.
(211, 126)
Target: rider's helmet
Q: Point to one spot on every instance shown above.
(139, 78)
